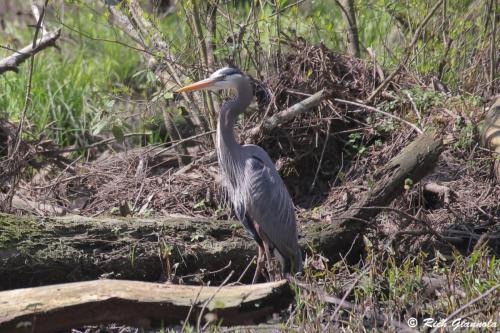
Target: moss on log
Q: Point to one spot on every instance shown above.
(39, 251)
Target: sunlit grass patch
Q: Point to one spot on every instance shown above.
(71, 86)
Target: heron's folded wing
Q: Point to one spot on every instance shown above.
(268, 203)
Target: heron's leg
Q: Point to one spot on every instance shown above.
(270, 269)
(262, 255)
(259, 265)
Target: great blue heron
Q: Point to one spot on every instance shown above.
(257, 193)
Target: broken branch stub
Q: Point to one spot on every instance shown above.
(286, 115)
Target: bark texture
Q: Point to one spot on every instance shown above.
(349, 14)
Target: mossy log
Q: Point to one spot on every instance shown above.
(39, 251)
(140, 304)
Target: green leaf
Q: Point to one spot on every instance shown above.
(408, 184)
(99, 127)
(168, 95)
(201, 204)
(118, 133)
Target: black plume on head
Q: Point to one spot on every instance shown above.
(232, 70)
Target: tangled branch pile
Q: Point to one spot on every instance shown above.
(329, 149)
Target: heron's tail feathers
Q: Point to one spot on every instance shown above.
(291, 263)
(298, 264)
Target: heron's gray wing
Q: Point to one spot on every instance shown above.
(268, 202)
(247, 221)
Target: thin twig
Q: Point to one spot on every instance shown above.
(182, 141)
(36, 13)
(371, 108)
(321, 157)
(27, 98)
(246, 269)
(347, 293)
(259, 328)
(414, 106)
(93, 145)
(191, 310)
(465, 306)
(27, 103)
(349, 306)
(198, 325)
(207, 273)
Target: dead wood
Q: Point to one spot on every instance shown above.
(140, 304)
(36, 251)
(442, 191)
(40, 208)
(12, 62)
(411, 165)
(282, 117)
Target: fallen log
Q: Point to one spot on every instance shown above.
(20, 203)
(139, 304)
(342, 234)
(40, 251)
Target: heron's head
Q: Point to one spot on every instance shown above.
(224, 78)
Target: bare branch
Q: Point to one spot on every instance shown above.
(12, 62)
(371, 108)
(288, 114)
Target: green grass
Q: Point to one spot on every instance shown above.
(396, 288)
(72, 89)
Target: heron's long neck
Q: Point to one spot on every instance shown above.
(230, 110)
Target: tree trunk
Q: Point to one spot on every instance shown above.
(39, 251)
(349, 14)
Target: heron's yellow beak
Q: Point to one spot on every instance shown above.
(197, 85)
